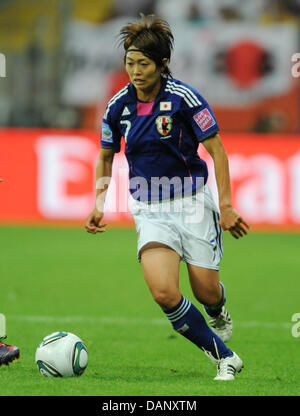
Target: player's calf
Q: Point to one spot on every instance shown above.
(220, 321)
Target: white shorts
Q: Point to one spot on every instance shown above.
(190, 226)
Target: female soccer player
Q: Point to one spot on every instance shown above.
(162, 121)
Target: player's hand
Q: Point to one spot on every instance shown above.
(1, 180)
(233, 222)
(93, 222)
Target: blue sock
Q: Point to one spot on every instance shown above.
(188, 321)
(216, 309)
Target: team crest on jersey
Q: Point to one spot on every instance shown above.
(164, 124)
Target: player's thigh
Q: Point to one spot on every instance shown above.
(160, 265)
(205, 284)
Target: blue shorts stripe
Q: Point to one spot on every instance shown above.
(218, 231)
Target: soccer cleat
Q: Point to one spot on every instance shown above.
(228, 366)
(222, 325)
(8, 353)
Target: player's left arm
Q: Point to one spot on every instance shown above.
(230, 219)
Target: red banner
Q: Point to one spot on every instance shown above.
(49, 177)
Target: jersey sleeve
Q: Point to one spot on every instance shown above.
(203, 121)
(110, 135)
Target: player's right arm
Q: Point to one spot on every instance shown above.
(110, 144)
(103, 176)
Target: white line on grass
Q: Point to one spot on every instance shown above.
(130, 321)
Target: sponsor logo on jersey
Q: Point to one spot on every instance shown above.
(204, 119)
(165, 106)
(106, 135)
(164, 124)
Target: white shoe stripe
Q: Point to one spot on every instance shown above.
(216, 348)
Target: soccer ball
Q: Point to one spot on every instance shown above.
(61, 354)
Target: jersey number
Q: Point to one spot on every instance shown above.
(128, 125)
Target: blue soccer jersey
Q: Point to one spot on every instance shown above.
(161, 138)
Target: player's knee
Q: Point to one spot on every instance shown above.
(212, 300)
(211, 297)
(166, 299)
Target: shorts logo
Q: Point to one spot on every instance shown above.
(164, 124)
(204, 119)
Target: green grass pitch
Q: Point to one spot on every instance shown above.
(64, 279)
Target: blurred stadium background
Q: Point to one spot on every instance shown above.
(62, 64)
(59, 65)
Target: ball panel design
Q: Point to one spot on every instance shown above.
(80, 358)
(47, 370)
(61, 354)
(53, 337)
